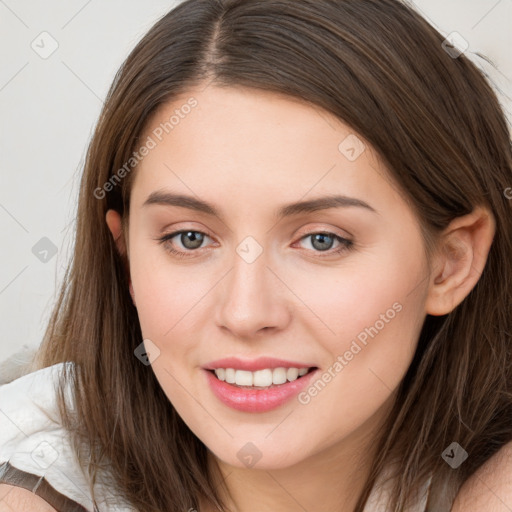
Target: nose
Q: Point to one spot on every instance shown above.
(252, 300)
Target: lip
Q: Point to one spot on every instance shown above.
(256, 400)
(253, 365)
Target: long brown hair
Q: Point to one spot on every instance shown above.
(437, 125)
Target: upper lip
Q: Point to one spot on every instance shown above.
(253, 365)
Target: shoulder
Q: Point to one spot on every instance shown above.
(490, 488)
(37, 453)
(17, 499)
(38, 465)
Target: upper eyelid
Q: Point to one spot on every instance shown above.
(318, 228)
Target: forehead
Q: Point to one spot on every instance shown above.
(258, 145)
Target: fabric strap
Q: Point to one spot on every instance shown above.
(11, 475)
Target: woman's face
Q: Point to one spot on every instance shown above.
(267, 281)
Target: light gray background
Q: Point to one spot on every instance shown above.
(49, 107)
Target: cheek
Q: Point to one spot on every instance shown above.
(345, 300)
(376, 321)
(167, 295)
(370, 316)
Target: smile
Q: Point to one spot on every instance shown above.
(262, 379)
(258, 391)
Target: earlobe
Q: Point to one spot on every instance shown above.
(114, 223)
(460, 260)
(113, 220)
(132, 293)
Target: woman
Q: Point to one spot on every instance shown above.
(291, 281)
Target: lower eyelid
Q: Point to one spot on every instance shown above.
(344, 243)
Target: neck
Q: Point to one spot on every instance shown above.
(333, 477)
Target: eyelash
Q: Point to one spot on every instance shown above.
(345, 244)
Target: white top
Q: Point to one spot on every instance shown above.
(36, 454)
(35, 450)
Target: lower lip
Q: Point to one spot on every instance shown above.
(256, 400)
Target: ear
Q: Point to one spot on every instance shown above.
(114, 223)
(459, 260)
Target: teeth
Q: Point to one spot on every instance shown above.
(221, 374)
(230, 375)
(260, 378)
(243, 378)
(293, 373)
(279, 376)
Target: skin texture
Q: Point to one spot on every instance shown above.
(490, 488)
(250, 152)
(17, 499)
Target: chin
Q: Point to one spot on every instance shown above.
(266, 454)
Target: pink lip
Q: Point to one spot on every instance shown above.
(256, 400)
(255, 364)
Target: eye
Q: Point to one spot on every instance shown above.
(323, 242)
(189, 239)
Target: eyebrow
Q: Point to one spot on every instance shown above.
(320, 203)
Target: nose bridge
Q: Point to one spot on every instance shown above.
(250, 298)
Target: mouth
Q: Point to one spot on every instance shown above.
(261, 390)
(266, 378)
